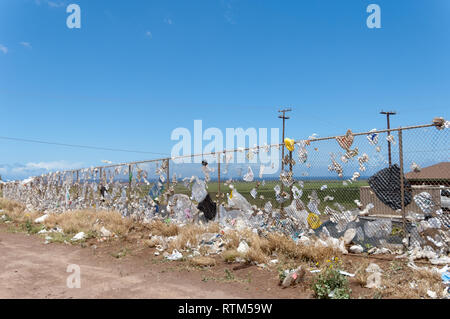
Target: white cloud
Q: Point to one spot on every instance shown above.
(19, 171)
(229, 14)
(3, 49)
(26, 44)
(149, 34)
(168, 21)
(55, 4)
(52, 4)
(56, 165)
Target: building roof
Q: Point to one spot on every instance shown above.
(440, 171)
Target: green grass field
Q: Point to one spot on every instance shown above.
(344, 195)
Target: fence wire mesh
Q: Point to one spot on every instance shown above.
(384, 188)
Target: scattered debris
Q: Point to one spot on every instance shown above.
(176, 255)
(293, 277)
(41, 219)
(79, 236)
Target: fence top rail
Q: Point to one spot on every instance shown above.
(245, 149)
(307, 140)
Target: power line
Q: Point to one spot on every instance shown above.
(78, 146)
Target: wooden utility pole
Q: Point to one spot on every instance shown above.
(388, 113)
(284, 117)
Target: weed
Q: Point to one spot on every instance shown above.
(31, 228)
(229, 275)
(5, 218)
(396, 266)
(331, 284)
(121, 253)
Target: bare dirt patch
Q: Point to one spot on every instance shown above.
(31, 269)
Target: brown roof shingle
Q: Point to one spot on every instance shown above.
(439, 171)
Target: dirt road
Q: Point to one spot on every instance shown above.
(31, 269)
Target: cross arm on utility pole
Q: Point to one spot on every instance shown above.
(389, 113)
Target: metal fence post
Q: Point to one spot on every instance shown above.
(130, 176)
(218, 185)
(168, 174)
(78, 185)
(402, 185)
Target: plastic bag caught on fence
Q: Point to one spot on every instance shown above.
(296, 212)
(286, 178)
(157, 189)
(268, 207)
(361, 160)
(296, 193)
(335, 167)
(208, 207)
(345, 141)
(198, 190)
(206, 170)
(302, 152)
(183, 208)
(378, 228)
(237, 201)
(314, 202)
(249, 176)
(373, 137)
(391, 139)
(386, 186)
(425, 202)
(415, 167)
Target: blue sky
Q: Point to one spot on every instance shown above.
(136, 70)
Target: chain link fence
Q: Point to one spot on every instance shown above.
(385, 188)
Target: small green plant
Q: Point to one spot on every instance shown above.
(121, 253)
(396, 266)
(330, 283)
(31, 228)
(397, 231)
(377, 295)
(281, 274)
(229, 275)
(28, 225)
(5, 218)
(91, 234)
(59, 238)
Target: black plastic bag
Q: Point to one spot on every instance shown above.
(208, 207)
(386, 185)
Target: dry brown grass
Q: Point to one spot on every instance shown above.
(233, 239)
(397, 284)
(17, 211)
(203, 261)
(262, 248)
(160, 228)
(317, 254)
(212, 228)
(187, 236)
(256, 255)
(230, 255)
(151, 243)
(360, 272)
(71, 222)
(89, 220)
(8, 205)
(286, 247)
